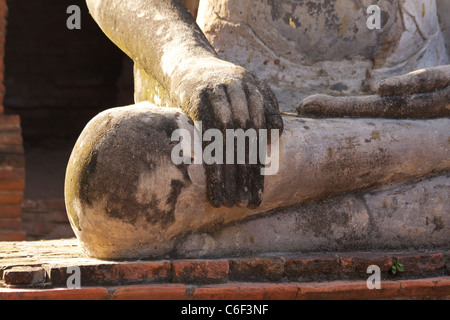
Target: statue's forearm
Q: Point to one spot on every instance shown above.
(159, 35)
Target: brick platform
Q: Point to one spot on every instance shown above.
(38, 270)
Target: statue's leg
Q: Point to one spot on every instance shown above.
(126, 198)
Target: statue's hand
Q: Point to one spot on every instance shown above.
(224, 96)
(420, 94)
(419, 81)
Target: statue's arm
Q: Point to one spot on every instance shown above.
(163, 39)
(159, 35)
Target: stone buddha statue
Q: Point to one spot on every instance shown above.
(254, 65)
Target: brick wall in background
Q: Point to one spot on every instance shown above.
(12, 162)
(46, 219)
(56, 80)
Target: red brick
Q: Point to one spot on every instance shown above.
(38, 227)
(149, 292)
(10, 212)
(12, 160)
(8, 125)
(114, 274)
(12, 236)
(12, 185)
(355, 264)
(12, 149)
(246, 291)
(9, 120)
(47, 205)
(10, 198)
(54, 294)
(10, 224)
(10, 130)
(421, 263)
(308, 267)
(347, 290)
(431, 287)
(443, 283)
(24, 276)
(10, 139)
(30, 205)
(54, 204)
(200, 271)
(12, 174)
(256, 269)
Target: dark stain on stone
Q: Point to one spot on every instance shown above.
(320, 224)
(339, 86)
(384, 18)
(88, 170)
(275, 9)
(439, 224)
(112, 174)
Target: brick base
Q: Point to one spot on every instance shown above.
(38, 270)
(430, 288)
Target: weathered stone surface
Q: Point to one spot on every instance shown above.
(302, 48)
(409, 216)
(127, 199)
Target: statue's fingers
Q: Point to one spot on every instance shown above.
(214, 184)
(424, 105)
(315, 105)
(249, 151)
(216, 115)
(423, 80)
(238, 102)
(223, 113)
(236, 178)
(255, 102)
(243, 185)
(256, 184)
(272, 114)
